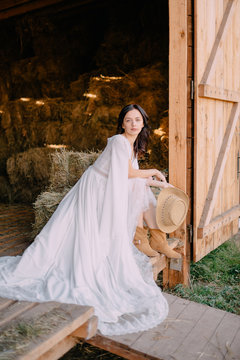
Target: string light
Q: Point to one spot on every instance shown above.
(90, 95)
(39, 102)
(107, 78)
(54, 146)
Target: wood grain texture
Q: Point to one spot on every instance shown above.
(219, 167)
(219, 37)
(178, 103)
(191, 331)
(216, 120)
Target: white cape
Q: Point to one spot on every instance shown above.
(84, 254)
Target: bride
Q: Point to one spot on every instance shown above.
(85, 254)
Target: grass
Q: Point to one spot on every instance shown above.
(215, 280)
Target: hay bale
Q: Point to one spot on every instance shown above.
(29, 173)
(67, 167)
(44, 206)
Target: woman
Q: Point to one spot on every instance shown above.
(84, 254)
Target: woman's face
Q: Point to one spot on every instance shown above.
(133, 122)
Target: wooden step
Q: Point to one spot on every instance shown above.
(62, 326)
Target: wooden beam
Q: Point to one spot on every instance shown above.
(178, 102)
(220, 35)
(219, 167)
(26, 7)
(219, 222)
(6, 4)
(12, 8)
(117, 348)
(216, 93)
(86, 331)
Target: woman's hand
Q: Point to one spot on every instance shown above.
(157, 183)
(160, 176)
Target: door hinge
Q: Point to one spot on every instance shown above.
(238, 170)
(190, 229)
(192, 89)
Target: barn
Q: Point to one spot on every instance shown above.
(67, 67)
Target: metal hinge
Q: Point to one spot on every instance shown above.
(192, 90)
(190, 229)
(238, 170)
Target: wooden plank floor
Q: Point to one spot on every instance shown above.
(192, 331)
(15, 228)
(35, 331)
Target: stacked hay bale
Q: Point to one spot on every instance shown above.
(28, 173)
(80, 124)
(66, 169)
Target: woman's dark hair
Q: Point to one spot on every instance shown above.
(141, 142)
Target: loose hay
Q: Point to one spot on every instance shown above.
(15, 339)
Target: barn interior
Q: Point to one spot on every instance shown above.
(66, 70)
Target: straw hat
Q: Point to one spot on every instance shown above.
(172, 207)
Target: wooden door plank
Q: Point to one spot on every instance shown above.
(217, 93)
(219, 222)
(220, 35)
(178, 102)
(219, 167)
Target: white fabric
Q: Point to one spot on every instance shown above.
(84, 254)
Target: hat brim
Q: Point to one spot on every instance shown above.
(164, 193)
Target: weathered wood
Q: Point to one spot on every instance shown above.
(85, 331)
(119, 349)
(219, 168)
(210, 242)
(5, 303)
(220, 35)
(75, 317)
(190, 331)
(212, 92)
(178, 56)
(13, 310)
(219, 222)
(211, 121)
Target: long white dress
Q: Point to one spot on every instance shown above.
(84, 254)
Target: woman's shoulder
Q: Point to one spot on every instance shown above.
(119, 141)
(117, 137)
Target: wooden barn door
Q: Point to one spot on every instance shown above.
(216, 123)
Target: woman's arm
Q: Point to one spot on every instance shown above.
(156, 183)
(132, 173)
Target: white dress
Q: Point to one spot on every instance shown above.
(84, 254)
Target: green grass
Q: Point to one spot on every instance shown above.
(215, 280)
